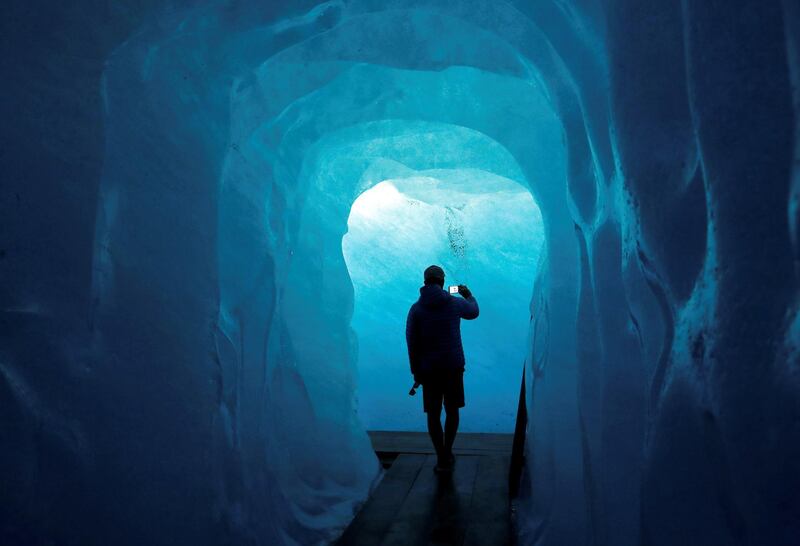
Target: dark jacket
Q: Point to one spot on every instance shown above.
(433, 330)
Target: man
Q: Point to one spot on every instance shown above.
(433, 335)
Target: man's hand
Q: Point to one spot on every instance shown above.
(464, 291)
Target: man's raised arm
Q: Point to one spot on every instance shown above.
(468, 307)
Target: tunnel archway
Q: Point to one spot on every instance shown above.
(282, 180)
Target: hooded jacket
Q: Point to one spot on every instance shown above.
(433, 330)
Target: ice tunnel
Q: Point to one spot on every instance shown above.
(180, 314)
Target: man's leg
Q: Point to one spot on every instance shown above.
(435, 430)
(450, 430)
(453, 400)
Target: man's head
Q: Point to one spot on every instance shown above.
(434, 275)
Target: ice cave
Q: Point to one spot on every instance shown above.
(216, 213)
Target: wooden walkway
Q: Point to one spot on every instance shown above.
(415, 506)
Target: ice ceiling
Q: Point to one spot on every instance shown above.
(486, 232)
(178, 364)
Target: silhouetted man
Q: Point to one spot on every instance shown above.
(433, 335)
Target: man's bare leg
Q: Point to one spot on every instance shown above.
(435, 431)
(450, 430)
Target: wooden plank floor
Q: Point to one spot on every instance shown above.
(467, 443)
(415, 506)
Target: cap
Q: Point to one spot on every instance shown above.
(434, 272)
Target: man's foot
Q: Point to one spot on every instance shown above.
(444, 464)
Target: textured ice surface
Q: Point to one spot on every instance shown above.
(486, 232)
(177, 364)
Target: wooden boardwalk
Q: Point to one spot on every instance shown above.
(415, 506)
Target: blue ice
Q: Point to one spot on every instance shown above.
(188, 281)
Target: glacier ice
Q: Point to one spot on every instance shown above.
(178, 364)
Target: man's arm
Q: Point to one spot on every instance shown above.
(411, 341)
(468, 307)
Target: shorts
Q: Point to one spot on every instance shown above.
(446, 386)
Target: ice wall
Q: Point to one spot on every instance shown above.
(177, 363)
(397, 229)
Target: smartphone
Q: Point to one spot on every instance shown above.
(454, 289)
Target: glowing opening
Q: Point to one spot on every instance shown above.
(485, 231)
